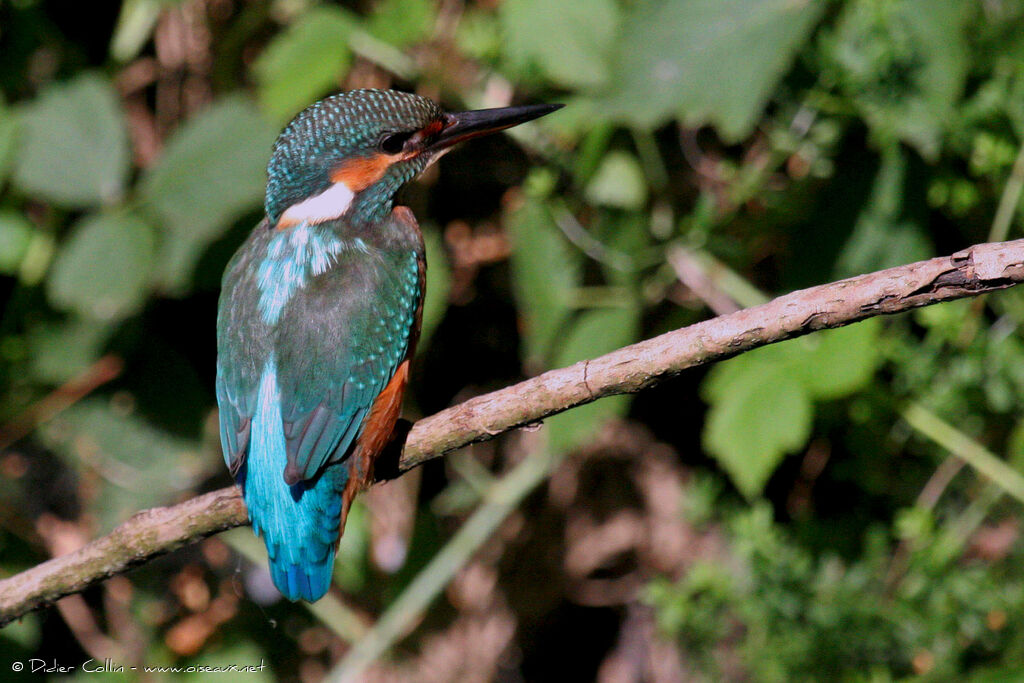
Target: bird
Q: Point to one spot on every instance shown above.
(320, 312)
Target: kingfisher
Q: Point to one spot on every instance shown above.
(319, 315)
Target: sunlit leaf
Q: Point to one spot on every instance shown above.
(213, 170)
(134, 27)
(709, 61)
(837, 363)
(753, 426)
(73, 146)
(478, 34)
(303, 62)
(567, 40)
(103, 269)
(618, 182)
(762, 402)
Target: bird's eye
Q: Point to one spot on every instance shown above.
(393, 143)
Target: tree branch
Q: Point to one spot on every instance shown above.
(979, 269)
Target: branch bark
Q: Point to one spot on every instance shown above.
(973, 271)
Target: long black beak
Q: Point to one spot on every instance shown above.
(470, 124)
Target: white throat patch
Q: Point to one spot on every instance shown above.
(330, 204)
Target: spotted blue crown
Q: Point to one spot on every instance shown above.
(345, 126)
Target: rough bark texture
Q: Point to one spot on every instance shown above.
(979, 269)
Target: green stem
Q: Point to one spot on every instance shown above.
(970, 451)
(964, 526)
(135, 25)
(406, 610)
(1009, 200)
(382, 54)
(650, 157)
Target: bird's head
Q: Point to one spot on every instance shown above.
(350, 153)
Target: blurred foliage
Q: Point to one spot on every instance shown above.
(791, 616)
(778, 143)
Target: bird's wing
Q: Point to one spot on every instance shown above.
(235, 422)
(243, 348)
(339, 343)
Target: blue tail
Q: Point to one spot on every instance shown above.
(299, 523)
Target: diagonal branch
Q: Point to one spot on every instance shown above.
(979, 269)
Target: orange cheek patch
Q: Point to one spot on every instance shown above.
(359, 174)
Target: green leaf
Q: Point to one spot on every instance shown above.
(593, 333)
(73, 146)
(754, 425)
(731, 376)
(212, 171)
(303, 62)
(15, 236)
(545, 269)
(836, 363)
(618, 182)
(435, 302)
(403, 22)
(762, 402)
(103, 270)
(567, 40)
(710, 61)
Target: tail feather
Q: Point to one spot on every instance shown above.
(298, 523)
(307, 582)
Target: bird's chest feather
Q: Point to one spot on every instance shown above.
(294, 258)
(316, 264)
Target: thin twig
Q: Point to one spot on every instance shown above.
(105, 369)
(696, 278)
(973, 271)
(927, 499)
(587, 243)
